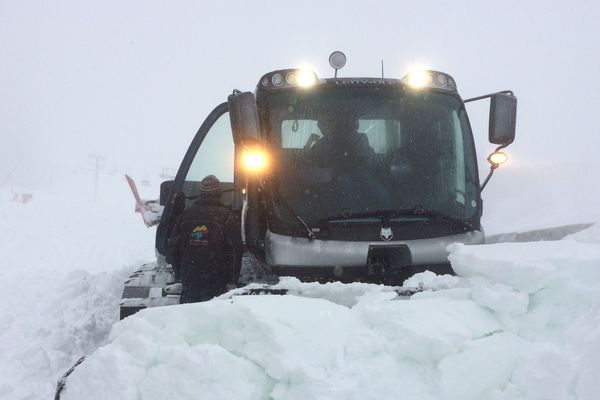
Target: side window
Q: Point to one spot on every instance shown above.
(216, 153)
(295, 133)
(383, 134)
(216, 156)
(459, 152)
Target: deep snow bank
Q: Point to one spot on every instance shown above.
(63, 264)
(521, 321)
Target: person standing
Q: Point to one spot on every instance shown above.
(201, 250)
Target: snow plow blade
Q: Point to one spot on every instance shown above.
(554, 233)
(269, 290)
(153, 285)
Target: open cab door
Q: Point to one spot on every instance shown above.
(212, 152)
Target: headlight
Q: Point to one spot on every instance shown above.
(497, 158)
(285, 78)
(277, 79)
(421, 78)
(305, 78)
(254, 160)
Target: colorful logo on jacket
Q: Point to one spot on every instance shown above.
(199, 233)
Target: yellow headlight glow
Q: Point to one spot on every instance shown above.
(497, 158)
(420, 78)
(305, 78)
(254, 160)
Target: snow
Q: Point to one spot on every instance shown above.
(523, 196)
(64, 260)
(520, 321)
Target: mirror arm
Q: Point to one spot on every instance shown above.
(487, 178)
(486, 96)
(493, 167)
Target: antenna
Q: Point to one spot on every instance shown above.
(381, 69)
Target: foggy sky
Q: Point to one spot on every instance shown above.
(133, 80)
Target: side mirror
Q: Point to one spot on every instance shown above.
(244, 117)
(503, 118)
(165, 190)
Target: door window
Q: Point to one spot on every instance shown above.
(210, 153)
(215, 155)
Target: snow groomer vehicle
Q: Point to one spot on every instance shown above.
(349, 179)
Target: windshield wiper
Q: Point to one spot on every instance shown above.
(444, 217)
(347, 214)
(290, 210)
(386, 214)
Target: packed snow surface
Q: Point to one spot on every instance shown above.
(521, 321)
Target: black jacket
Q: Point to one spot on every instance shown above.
(201, 249)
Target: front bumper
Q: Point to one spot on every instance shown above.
(285, 251)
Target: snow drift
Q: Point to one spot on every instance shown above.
(64, 261)
(521, 320)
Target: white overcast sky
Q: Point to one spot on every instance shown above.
(133, 80)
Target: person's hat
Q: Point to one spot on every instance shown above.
(210, 184)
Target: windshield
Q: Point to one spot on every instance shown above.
(355, 149)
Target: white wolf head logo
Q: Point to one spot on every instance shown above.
(386, 234)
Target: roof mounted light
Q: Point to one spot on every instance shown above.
(420, 78)
(424, 78)
(277, 79)
(298, 77)
(305, 78)
(291, 78)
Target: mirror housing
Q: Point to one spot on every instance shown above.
(165, 190)
(244, 117)
(503, 118)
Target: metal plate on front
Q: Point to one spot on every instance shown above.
(384, 257)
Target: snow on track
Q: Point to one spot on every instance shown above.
(520, 322)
